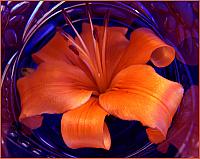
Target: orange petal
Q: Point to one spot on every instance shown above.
(57, 49)
(144, 46)
(33, 122)
(85, 127)
(139, 93)
(53, 88)
(184, 130)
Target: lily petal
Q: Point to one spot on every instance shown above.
(33, 122)
(144, 46)
(85, 127)
(54, 87)
(139, 93)
(57, 49)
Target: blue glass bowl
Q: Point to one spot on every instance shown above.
(129, 138)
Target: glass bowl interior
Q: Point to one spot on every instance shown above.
(129, 138)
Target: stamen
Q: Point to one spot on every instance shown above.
(106, 20)
(77, 34)
(84, 57)
(84, 54)
(67, 36)
(95, 38)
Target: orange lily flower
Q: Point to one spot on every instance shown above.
(100, 73)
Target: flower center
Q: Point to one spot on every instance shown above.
(96, 64)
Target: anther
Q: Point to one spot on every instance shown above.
(74, 50)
